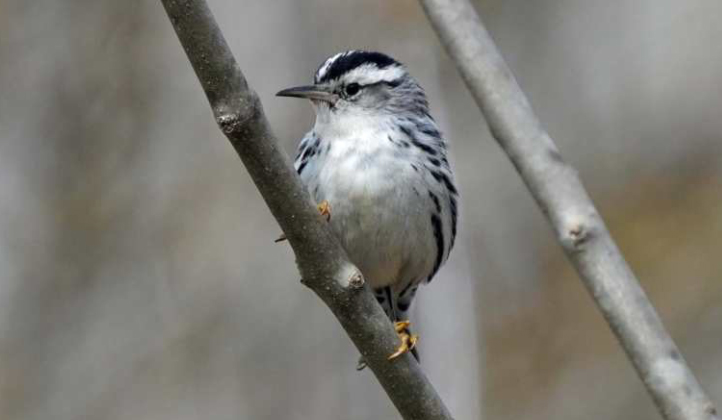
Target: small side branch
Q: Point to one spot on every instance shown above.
(579, 228)
(322, 262)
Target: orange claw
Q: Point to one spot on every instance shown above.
(324, 208)
(408, 341)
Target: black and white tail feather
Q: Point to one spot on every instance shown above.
(377, 156)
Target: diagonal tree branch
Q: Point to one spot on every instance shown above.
(323, 264)
(579, 228)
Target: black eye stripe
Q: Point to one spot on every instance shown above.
(392, 83)
(389, 83)
(354, 88)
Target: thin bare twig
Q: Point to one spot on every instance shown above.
(579, 228)
(322, 262)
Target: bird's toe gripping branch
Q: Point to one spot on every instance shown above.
(408, 343)
(324, 208)
(408, 340)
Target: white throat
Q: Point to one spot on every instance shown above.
(350, 124)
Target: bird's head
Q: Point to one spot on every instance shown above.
(361, 83)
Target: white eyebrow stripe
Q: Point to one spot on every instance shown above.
(369, 74)
(324, 68)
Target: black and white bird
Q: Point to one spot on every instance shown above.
(376, 160)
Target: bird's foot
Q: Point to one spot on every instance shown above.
(408, 344)
(324, 208)
(408, 340)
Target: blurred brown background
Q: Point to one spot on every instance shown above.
(138, 274)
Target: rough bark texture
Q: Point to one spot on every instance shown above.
(323, 264)
(579, 228)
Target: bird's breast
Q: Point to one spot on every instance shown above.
(377, 210)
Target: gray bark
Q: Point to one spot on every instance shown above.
(323, 264)
(580, 230)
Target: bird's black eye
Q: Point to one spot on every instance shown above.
(352, 89)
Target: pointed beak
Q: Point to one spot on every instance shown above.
(313, 92)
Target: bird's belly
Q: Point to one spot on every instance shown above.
(382, 221)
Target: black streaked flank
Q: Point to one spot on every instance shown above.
(428, 129)
(301, 149)
(351, 60)
(454, 217)
(436, 175)
(410, 134)
(449, 185)
(439, 236)
(442, 177)
(302, 166)
(307, 150)
(406, 130)
(435, 199)
(302, 152)
(425, 147)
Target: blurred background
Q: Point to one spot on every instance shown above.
(138, 274)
